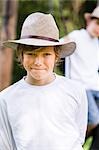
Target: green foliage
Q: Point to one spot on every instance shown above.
(88, 143)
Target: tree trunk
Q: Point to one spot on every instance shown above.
(7, 30)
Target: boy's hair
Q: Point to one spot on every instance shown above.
(21, 49)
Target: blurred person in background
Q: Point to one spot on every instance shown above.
(43, 110)
(83, 65)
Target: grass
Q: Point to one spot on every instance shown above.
(87, 144)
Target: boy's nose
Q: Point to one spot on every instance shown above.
(38, 61)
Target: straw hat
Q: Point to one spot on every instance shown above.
(95, 14)
(40, 29)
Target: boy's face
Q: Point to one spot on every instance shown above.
(39, 65)
(93, 27)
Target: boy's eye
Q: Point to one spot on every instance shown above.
(31, 54)
(47, 54)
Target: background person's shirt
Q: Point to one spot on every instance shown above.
(83, 64)
(49, 117)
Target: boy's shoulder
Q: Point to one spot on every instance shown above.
(78, 35)
(74, 88)
(9, 90)
(74, 84)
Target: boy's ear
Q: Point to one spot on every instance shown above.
(87, 18)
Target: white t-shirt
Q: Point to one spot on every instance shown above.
(83, 64)
(49, 117)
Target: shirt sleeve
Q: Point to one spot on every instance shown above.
(6, 142)
(82, 116)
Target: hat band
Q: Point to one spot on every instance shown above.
(40, 37)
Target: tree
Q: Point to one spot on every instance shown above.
(7, 30)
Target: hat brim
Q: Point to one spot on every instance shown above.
(66, 47)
